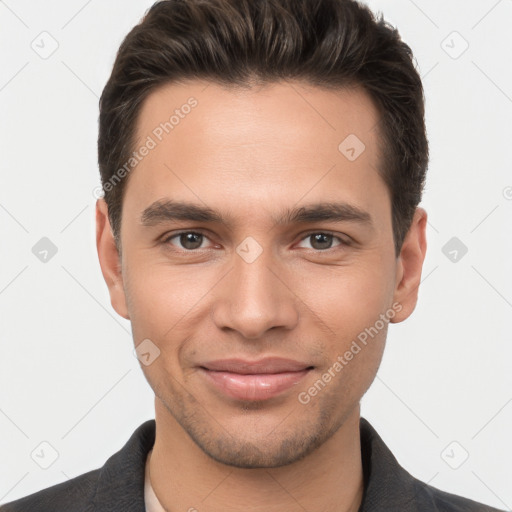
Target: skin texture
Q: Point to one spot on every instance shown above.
(250, 155)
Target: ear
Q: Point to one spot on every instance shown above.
(410, 265)
(110, 261)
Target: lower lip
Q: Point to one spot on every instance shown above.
(260, 386)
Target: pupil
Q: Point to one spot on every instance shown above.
(191, 240)
(324, 240)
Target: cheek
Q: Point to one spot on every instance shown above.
(348, 299)
(161, 300)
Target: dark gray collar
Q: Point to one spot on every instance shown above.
(121, 479)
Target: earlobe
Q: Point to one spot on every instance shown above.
(410, 265)
(109, 259)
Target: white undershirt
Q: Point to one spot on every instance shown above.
(150, 500)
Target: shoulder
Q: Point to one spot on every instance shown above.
(75, 494)
(442, 501)
(118, 485)
(389, 486)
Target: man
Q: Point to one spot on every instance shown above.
(262, 163)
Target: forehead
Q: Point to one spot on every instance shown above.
(208, 141)
(274, 113)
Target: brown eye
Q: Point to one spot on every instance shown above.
(321, 241)
(188, 240)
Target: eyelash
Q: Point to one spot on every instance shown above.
(343, 243)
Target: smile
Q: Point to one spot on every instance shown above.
(257, 380)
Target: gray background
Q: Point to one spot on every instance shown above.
(68, 376)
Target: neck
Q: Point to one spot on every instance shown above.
(183, 477)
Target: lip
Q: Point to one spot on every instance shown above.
(266, 365)
(254, 380)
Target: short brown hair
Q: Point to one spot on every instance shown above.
(325, 43)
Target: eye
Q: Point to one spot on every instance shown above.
(189, 240)
(322, 241)
(193, 240)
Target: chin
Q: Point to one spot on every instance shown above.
(261, 452)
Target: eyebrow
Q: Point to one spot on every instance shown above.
(170, 210)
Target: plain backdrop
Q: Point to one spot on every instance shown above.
(442, 399)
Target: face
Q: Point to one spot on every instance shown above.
(258, 263)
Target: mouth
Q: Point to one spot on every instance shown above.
(254, 380)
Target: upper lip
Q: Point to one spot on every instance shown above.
(266, 365)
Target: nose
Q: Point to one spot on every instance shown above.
(254, 298)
